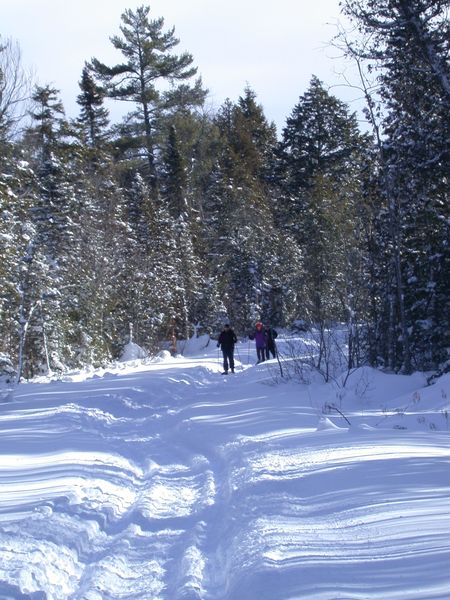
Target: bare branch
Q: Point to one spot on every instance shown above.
(14, 88)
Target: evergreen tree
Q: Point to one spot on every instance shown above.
(153, 294)
(45, 138)
(174, 177)
(409, 42)
(148, 62)
(176, 192)
(320, 173)
(52, 215)
(15, 233)
(254, 137)
(94, 117)
(239, 215)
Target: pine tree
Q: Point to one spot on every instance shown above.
(174, 178)
(319, 136)
(15, 231)
(176, 193)
(148, 62)
(408, 44)
(239, 213)
(151, 296)
(52, 214)
(48, 152)
(320, 173)
(94, 117)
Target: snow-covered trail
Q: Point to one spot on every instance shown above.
(171, 482)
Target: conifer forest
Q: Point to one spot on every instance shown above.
(178, 217)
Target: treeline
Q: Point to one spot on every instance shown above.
(176, 217)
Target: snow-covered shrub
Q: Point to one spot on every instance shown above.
(320, 351)
(132, 351)
(7, 371)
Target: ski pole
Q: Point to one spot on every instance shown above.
(239, 356)
(278, 358)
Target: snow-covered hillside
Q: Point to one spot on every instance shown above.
(164, 480)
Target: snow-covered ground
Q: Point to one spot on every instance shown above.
(165, 480)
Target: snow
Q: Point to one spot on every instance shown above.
(160, 479)
(131, 352)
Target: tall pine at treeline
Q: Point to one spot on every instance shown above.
(175, 217)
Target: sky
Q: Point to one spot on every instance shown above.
(162, 479)
(274, 47)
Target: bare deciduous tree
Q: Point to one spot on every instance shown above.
(14, 88)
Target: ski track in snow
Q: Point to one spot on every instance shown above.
(170, 483)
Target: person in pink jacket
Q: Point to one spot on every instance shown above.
(260, 337)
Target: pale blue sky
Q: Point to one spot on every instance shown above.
(273, 46)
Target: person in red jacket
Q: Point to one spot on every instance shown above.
(227, 340)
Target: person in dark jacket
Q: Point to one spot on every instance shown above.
(259, 335)
(227, 340)
(271, 335)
